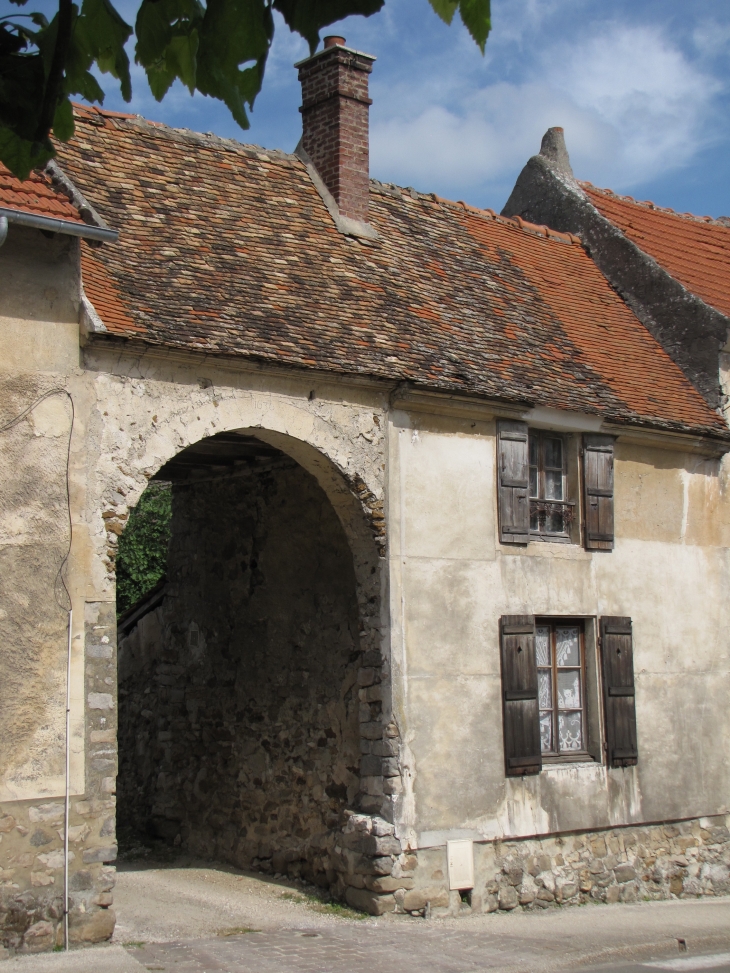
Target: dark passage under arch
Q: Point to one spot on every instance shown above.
(238, 696)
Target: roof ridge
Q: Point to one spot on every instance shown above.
(185, 134)
(648, 204)
(208, 138)
(516, 222)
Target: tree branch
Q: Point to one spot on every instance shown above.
(55, 74)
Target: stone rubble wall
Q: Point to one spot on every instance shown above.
(687, 859)
(31, 832)
(240, 697)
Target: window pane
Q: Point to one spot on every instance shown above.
(554, 522)
(533, 451)
(553, 485)
(570, 731)
(568, 689)
(544, 688)
(546, 732)
(554, 454)
(533, 481)
(568, 648)
(542, 645)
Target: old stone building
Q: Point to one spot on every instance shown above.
(444, 623)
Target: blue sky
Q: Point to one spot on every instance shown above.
(642, 88)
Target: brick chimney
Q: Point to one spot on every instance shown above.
(335, 107)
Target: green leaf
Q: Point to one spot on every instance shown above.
(168, 38)
(476, 15)
(180, 56)
(307, 17)
(100, 35)
(63, 121)
(234, 33)
(445, 9)
(21, 155)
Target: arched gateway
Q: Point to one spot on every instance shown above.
(246, 675)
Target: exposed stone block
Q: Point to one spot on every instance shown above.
(371, 902)
(378, 846)
(386, 883)
(91, 927)
(102, 854)
(103, 701)
(508, 898)
(38, 937)
(624, 873)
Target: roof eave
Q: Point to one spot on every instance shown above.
(52, 225)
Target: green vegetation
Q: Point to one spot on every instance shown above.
(216, 47)
(323, 904)
(142, 552)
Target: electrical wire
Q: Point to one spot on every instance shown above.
(60, 577)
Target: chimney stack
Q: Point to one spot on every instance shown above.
(335, 107)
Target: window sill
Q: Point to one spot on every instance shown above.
(552, 538)
(557, 760)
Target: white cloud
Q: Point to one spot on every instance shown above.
(711, 38)
(632, 104)
(656, 102)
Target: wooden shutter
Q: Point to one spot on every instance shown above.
(598, 483)
(513, 464)
(619, 706)
(522, 753)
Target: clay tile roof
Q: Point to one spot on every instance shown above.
(228, 249)
(36, 195)
(695, 250)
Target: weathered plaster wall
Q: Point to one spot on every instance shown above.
(132, 414)
(38, 339)
(239, 708)
(451, 581)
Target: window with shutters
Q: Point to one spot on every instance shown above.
(551, 512)
(561, 683)
(539, 480)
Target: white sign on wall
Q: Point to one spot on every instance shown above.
(460, 858)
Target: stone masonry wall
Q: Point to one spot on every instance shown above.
(239, 696)
(687, 859)
(31, 832)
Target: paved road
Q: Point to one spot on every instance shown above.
(193, 919)
(293, 951)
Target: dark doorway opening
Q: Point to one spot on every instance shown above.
(238, 697)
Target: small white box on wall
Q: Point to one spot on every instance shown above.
(460, 859)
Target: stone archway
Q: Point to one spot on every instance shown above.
(251, 692)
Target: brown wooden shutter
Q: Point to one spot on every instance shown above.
(522, 753)
(513, 471)
(598, 493)
(619, 706)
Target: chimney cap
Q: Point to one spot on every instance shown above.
(334, 40)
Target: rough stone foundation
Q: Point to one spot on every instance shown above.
(239, 696)
(31, 832)
(689, 859)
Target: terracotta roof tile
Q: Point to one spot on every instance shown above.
(226, 248)
(695, 250)
(36, 195)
